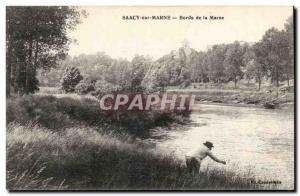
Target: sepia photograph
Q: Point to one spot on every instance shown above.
(150, 98)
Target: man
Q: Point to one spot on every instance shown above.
(194, 158)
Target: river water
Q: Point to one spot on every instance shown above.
(254, 140)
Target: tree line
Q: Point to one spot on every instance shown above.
(37, 46)
(270, 58)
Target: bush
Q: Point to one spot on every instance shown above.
(85, 86)
(70, 79)
(102, 87)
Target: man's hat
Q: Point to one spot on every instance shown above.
(208, 144)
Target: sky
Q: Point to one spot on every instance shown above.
(104, 30)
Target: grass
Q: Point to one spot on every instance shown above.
(83, 158)
(64, 143)
(66, 111)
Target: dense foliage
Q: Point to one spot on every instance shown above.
(36, 38)
(270, 58)
(70, 79)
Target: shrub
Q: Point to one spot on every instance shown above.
(70, 79)
(102, 87)
(85, 86)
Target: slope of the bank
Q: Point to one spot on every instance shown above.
(61, 144)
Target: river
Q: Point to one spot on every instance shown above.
(249, 139)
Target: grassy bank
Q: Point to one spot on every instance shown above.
(66, 111)
(224, 93)
(83, 158)
(66, 144)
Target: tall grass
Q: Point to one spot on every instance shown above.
(66, 111)
(86, 159)
(64, 143)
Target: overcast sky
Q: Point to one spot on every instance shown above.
(105, 31)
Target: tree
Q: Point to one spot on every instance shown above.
(234, 61)
(215, 60)
(273, 49)
(199, 68)
(168, 62)
(70, 79)
(156, 78)
(183, 65)
(36, 38)
(289, 48)
(140, 64)
(254, 63)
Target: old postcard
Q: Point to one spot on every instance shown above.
(150, 98)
